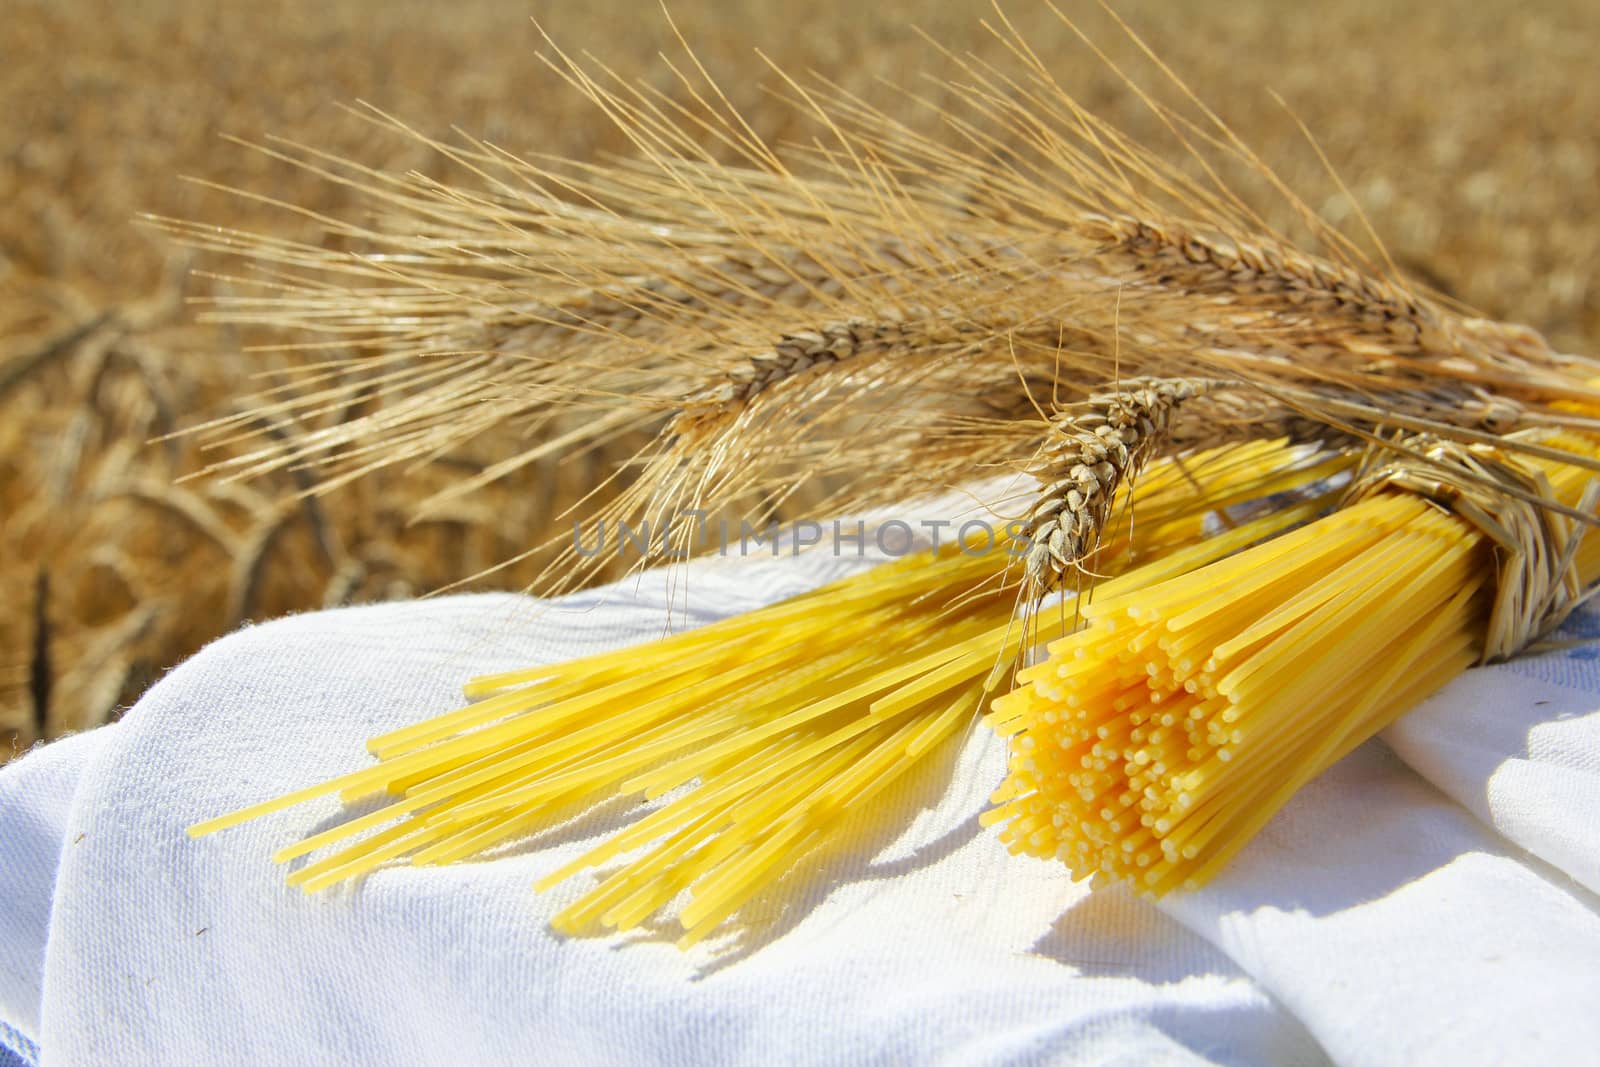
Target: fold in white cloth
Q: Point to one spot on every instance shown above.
(1385, 916)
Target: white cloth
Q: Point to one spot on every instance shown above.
(1375, 920)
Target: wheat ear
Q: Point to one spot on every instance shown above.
(1093, 450)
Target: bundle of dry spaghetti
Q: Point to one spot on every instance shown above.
(1150, 746)
(786, 719)
(873, 319)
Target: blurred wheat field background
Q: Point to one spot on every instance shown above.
(1465, 130)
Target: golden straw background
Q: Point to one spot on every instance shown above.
(1466, 129)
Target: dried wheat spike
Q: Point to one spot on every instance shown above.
(798, 352)
(1215, 265)
(1093, 448)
